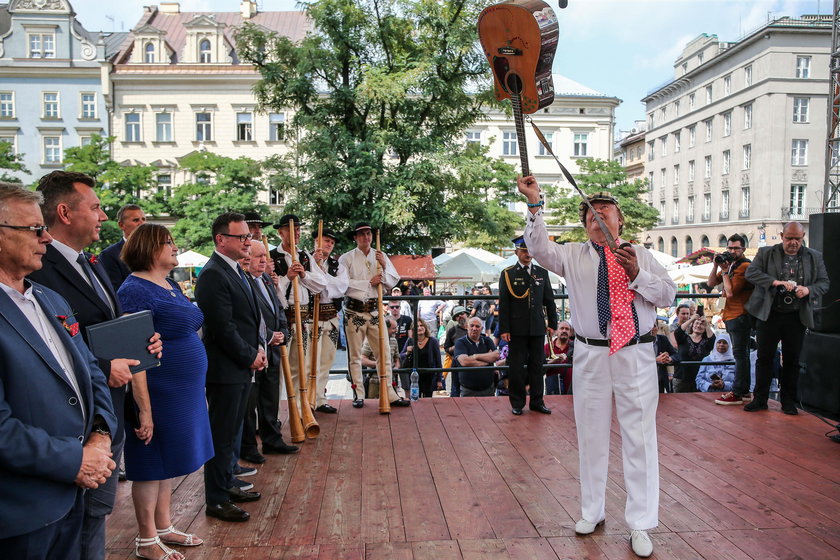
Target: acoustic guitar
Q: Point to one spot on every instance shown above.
(519, 38)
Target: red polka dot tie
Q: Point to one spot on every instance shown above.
(621, 311)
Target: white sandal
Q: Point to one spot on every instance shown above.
(189, 538)
(154, 541)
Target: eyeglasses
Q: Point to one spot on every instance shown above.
(242, 238)
(393, 306)
(39, 230)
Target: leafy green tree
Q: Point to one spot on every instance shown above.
(600, 175)
(381, 96)
(116, 185)
(10, 161)
(222, 184)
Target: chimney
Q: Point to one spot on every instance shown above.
(248, 8)
(170, 8)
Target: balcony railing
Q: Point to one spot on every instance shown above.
(675, 219)
(745, 213)
(689, 219)
(798, 212)
(724, 215)
(707, 217)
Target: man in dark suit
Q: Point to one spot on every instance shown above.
(235, 349)
(666, 355)
(72, 211)
(264, 399)
(525, 300)
(55, 411)
(129, 218)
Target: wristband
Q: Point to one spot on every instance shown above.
(535, 205)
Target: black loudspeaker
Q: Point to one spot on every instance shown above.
(824, 236)
(819, 378)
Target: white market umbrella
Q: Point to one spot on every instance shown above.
(691, 274)
(442, 258)
(513, 259)
(466, 269)
(664, 259)
(191, 259)
(480, 254)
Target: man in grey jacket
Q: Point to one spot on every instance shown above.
(788, 278)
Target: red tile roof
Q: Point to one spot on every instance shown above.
(414, 267)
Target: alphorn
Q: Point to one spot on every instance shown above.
(295, 424)
(316, 305)
(384, 403)
(310, 426)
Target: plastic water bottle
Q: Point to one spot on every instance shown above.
(415, 386)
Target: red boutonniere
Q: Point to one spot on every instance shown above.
(93, 260)
(73, 329)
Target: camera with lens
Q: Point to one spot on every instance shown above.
(785, 296)
(724, 258)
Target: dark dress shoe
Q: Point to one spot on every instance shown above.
(542, 408)
(401, 402)
(790, 410)
(358, 403)
(516, 411)
(754, 405)
(329, 409)
(253, 457)
(227, 512)
(237, 495)
(281, 448)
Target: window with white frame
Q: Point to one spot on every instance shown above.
(204, 127)
(699, 58)
(692, 136)
(677, 174)
(692, 100)
(41, 45)
(677, 108)
(724, 204)
(803, 67)
(800, 109)
(663, 146)
(245, 126)
(204, 51)
(727, 123)
(549, 137)
(7, 104)
(799, 152)
(707, 171)
(164, 184)
(748, 116)
(675, 211)
(52, 149)
(581, 140)
(149, 53)
(727, 84)
(797, 200)
(88, 105)
(163, 127)
(277, 127)
(689, 212)
(691, 170)
(50, 106)
(708, 94)
(85, 140)
(707, 206)
(509, 143)
(748, 76)
(132, 127)
(11, 141)
(650, 180)
(708, 126)
(727, 161)
(747, 156)
(651, 146)
(473, 137)
(662, 177)
(677, 137)
(745, 201)
(663, 114)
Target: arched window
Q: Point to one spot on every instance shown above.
(705, 241)
(149, 55)
(674, 252)
(722, 241)
(661, 245)
(689, 245)
(204, 51)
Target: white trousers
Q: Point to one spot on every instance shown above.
(629, 375)
(328, 334)
(357, 328)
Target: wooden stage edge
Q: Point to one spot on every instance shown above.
(464, 478)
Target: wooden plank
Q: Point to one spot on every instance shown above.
(777, 544)
(388, 551)
(458, 499)
(576, 548)
(711, 544)
(483, 549)
(436, 550)
(382, 517)
(342, 498)
(500, 506)
(340, 551)
(531, 548)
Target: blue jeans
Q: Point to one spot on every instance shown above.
(552, 384)
(739, 331)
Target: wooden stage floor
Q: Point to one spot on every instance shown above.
(464, 478)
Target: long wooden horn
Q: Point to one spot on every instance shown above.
(310, 426)
(295, 425)
(313, 361)
(384, 403)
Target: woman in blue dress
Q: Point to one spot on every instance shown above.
(171, 435)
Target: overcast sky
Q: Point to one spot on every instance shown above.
(623, 48)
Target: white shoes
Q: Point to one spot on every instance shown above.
(584, 527)
(641, 543)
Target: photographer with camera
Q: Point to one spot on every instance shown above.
(729, 269)
(787, 278)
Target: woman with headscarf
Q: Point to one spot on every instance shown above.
(718, 377)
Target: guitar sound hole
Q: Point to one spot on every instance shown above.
(514, 83)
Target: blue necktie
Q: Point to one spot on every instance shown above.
(244, 278)
(94, 283)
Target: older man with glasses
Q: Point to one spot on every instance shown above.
(403, 333)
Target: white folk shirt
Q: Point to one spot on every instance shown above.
(361, 269)
(314, 282)
(578, 264)
(336, 286)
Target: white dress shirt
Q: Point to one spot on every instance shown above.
(578, 264)
(361, 268)
(336, 286)
(71, 255)
(314, 282)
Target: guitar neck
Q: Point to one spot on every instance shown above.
(520, 134)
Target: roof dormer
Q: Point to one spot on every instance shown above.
(150, 46)
(205, 42)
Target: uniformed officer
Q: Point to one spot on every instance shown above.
(330, 300)
(525, 299)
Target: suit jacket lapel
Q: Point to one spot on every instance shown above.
(73, 278)
(237, 280)
(102, 275)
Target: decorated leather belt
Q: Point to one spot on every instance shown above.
(606, 341)
(327, 312)
(305, 315)
(360, 306)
